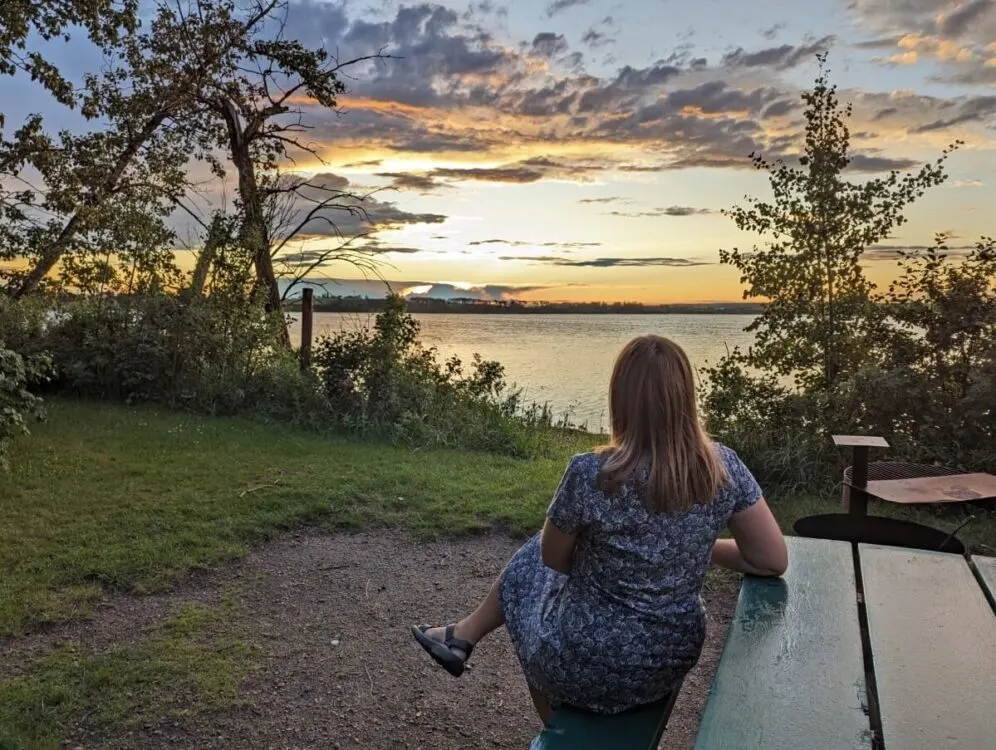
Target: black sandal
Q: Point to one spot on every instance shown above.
(442, 651)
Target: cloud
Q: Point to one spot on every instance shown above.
(608, 199)
(964, 183)
(957, 36)
(357, 214)
(894, 252)
(594, 38)
(559, 6)
(367, 163)
(781, 58)
(956, 22)
(439, 290)
(668, 211)
(870, 163)
(555, 259)
(523, 172)
(612, 262)
(519, 175)
(549, 44)
(522, 243)
(772, 31)
(417, 182)
(457, 89)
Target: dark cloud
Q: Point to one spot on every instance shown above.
(417, 182)
(958, 21)
(428, 143)
(668, 211)
(781, 58)
(781, 108)
(555, 259)
(626, 89)
(448, 63)
(595, 38)
(367, 163)
(885, 42)
(523, 172)
(355, 215)
(520, 175)
(624, 262)
(558, 6)
(772, 31)
(872, 163)
(549, 44)
(895, 252)
(974, 109)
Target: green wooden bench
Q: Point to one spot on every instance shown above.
(792, 672)
(639, 729)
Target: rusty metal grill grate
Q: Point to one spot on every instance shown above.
(886, 470)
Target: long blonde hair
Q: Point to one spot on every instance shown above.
(655, 426)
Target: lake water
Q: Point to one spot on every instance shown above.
(565, 360)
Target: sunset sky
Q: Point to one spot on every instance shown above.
(581, 149)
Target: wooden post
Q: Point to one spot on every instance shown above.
(307, 318)
(855, 496)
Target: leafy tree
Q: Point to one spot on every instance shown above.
(205, 77)
(254, 97)
(823, 331)
(104, 21)
(819, 323)
(939, 356)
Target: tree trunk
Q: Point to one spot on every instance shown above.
(216, 237)
(51, 255)
(254, 233)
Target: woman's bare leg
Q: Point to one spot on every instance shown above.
(543, 707)
(486, 618)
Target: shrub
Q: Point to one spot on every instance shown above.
(214, 354)
(383, 381)
(17, 403)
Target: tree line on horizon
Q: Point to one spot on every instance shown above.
(472, 305)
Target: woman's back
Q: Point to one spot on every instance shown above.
(636, 565)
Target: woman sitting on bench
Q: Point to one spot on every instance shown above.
(603, 605)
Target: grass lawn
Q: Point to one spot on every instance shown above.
(113, 498)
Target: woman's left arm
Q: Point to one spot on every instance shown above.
(557, 548)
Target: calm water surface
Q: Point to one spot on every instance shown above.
(565, 360)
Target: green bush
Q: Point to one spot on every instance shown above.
(383, 381)
(17, 403)
(214, 354)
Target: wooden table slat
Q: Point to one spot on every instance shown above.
(792, 673)
(987, 572)
(933, 642)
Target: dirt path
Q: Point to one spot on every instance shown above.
(332, 614)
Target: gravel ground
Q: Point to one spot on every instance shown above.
(341, 670)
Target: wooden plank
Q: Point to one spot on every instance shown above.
(957, 488)
(859, 441)
(986, 567)
(792, 674)
(933, 643)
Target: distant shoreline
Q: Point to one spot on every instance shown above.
(422, 305)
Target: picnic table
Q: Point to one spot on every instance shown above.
(859, 646)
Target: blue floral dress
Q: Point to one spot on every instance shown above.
(628, 622)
